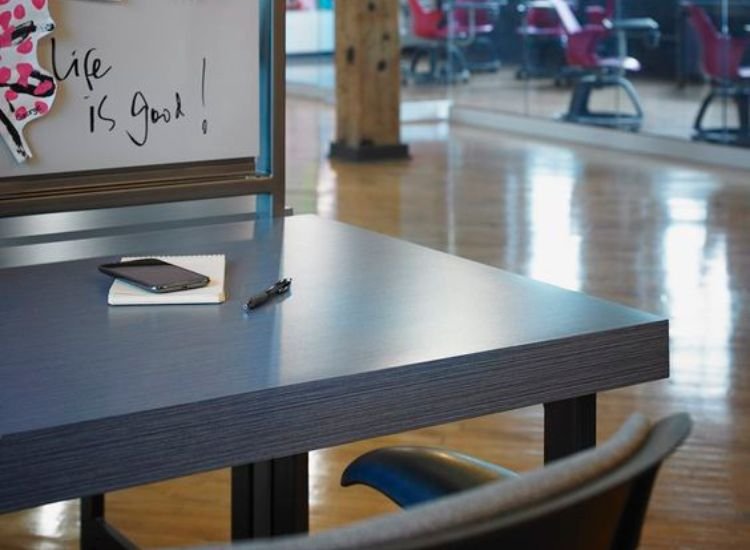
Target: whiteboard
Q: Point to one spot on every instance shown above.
(174, 81)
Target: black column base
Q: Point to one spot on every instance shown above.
(365, 153)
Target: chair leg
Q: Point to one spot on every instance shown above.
(579, 110)
(742, 100)
(455, 63)
(481, 55)
(579, 101)
(626, 85)
(731, 135)
(446, 64)
(419, 54)
(698, 124)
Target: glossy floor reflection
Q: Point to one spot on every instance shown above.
(656, 235)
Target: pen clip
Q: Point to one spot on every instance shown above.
(282, 286)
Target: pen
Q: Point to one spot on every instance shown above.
(278, 288)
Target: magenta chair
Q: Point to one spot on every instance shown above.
(721, 56)
(475, 23)
(543, 37)
(471, 12)
(597, 72)
(441, 36)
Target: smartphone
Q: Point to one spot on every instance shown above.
(155, 275)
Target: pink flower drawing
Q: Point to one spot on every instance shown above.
(26, 90)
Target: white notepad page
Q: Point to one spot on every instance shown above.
(213, 266)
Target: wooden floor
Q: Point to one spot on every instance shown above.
(661, 236)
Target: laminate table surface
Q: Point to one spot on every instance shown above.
(376, 336)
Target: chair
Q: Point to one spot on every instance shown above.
(475, 22)
(598, 72)
(721, 58)
(542, 35)
(594, 499)
(440, 36)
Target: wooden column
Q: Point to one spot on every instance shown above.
(368, 81)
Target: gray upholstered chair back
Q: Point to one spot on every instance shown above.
(594, 499)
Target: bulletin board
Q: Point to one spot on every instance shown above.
(106, 103)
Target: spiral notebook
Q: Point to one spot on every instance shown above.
(212, 265)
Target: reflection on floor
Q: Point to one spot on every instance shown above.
(664, 237)
(669, 110)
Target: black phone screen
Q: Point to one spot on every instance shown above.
(155, 275)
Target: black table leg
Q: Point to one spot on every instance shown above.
(569, 426)
(270, 498)
(96, 533)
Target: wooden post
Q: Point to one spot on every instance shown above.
(368, 81)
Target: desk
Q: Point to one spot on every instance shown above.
(377, 336)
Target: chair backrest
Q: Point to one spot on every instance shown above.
(721, 54)
(594, 499)
(581, 42)
(482, 17)
(568, 19)
(610, 6)
(595, 15)
(541, 15)
(425, 23)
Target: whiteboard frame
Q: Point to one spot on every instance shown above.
(263, 175)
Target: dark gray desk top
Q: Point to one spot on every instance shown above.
(363, 307)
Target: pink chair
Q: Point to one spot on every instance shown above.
(721, 58)
(596, 15)
(441, 35)
(543, 35)
(483, 18)
(476, 23)
(429, 24)
(581, 44)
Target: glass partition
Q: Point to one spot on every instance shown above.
(310, 37)
(310, 64)
(670, 68)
